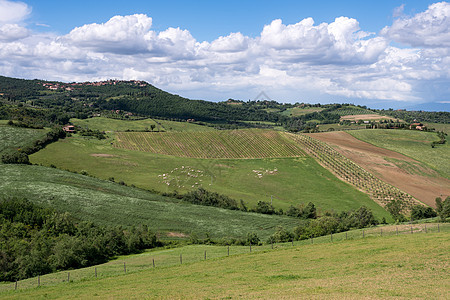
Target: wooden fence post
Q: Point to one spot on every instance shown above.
(95, 272)
(228, 251)
(124, 267)
(331, 236)
(205, 254)
(153, 263)
(68, 276)
(181, 259)
(15, 287)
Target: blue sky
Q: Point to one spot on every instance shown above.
(207, 20)
(377, 53)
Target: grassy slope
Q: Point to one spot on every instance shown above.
(12, 137)
(439, 127)
(112, 204)
(298, 111)
(297, 180)
(415, 144)
(375, 267)
(121, 125)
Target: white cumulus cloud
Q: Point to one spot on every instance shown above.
(301, 61)
(430, 28)
(121, 34)
(337, 42)
(13, 12)
(12, 32)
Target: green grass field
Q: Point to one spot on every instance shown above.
(378, 266)
(246, 143)
(109, 203)
(439, 127)
(415, 144)
(289, 181)
(299, 111)
(13, 137)
(106, 124)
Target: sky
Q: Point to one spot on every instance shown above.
(384, 53)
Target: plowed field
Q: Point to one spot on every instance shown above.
(405, 173)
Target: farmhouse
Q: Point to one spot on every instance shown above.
(69, 128)
(417, 126)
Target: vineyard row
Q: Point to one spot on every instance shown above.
(251, 143)
(347, 170)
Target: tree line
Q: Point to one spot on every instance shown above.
(36, 240)
(20, 156)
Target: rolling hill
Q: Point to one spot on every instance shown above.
(391, 266)
(283, 180)
(109, 203)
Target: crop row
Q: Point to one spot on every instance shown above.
(248, 143)
(352, 111)
(380, 191)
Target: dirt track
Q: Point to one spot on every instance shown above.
(424, 184)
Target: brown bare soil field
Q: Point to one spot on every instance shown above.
(424, 183)
(366, 117)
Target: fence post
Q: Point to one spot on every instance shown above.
(292, 242)
(39, 280)
(346, 235)
(228, 251)
(425, 228)
(411, 230)
(363, 233)
(95, 272)
(250, 247)
(205, 254)
(153, 263)
(68, 276)
(331, 236)
(124, 267)
(15, 287)
(181, 259)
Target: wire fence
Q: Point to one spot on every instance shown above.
(195, 253)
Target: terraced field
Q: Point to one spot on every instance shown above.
(251, 143)
(347, 170)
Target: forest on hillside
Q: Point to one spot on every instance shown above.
(43, 103)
